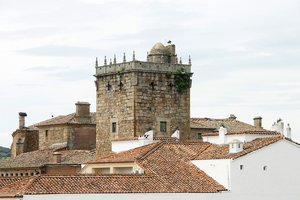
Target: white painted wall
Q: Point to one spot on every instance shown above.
(230, 138)
(281, 180)
(217, 169)
(118, 146)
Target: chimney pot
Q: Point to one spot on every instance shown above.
(22, 116)
(56, 157)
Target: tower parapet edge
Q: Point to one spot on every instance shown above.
(141, 66)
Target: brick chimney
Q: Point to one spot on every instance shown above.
(257, 122)
(56, 157)
(22, 116)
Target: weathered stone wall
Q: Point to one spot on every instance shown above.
(76, 136)
(82, 137)
(136, 101)
(24, 140)
(52, 134)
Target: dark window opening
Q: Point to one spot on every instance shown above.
(265, 168)
(163, 127)
(200, 136)
(241, 167)
(114, 127)
(46, 135)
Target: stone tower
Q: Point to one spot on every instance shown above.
(135, 96)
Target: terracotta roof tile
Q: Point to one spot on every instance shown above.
(42, 157)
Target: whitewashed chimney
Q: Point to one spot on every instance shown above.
(288, 131)
(280, 126)
(222, 133)
(176, 134)
(147, 138)
(235, 146)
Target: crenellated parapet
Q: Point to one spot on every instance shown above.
(141, 66)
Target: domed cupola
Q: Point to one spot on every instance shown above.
(162, 54)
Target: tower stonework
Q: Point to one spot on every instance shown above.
(135, 96)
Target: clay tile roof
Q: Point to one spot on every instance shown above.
(85, 184)
(64, 119)
(167, 169)
(222, 151)
(125, 156)
(171, 163)
(8, 180)
(41, 157)
(233, 126)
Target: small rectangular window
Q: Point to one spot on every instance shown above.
(114, 127)
(163, 127)
(265, 168)
(241, 167)
(200, 136)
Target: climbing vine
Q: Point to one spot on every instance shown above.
(182, 80)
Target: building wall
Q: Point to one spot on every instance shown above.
(118, 146)
(82, 137)
(217, 169)
(24, 140)
(52, 134)
(111, 168)
(146, 96)
(279, 180)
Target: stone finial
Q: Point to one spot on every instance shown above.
(105, 61)
(124, 58)
(110, 61)
(133, 56)
(115, 60)
(96, 63)
(190, 60)
(180, 61)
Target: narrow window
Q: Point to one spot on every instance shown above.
(241, 167)
(265, 168)
(114, 127)
(163, 127)
(200, 136)
(46, 135)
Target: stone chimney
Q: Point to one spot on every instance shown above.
(288, 131)
(56, 157)
(83, 114)
(257, 122)
(22, 116)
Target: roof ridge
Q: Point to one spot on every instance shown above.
(142, 156)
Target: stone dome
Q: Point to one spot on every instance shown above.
(159, 48)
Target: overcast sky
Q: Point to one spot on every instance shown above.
(245, 54)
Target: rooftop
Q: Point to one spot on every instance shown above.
(232, 125)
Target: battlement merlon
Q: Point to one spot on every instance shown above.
(141, 66)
